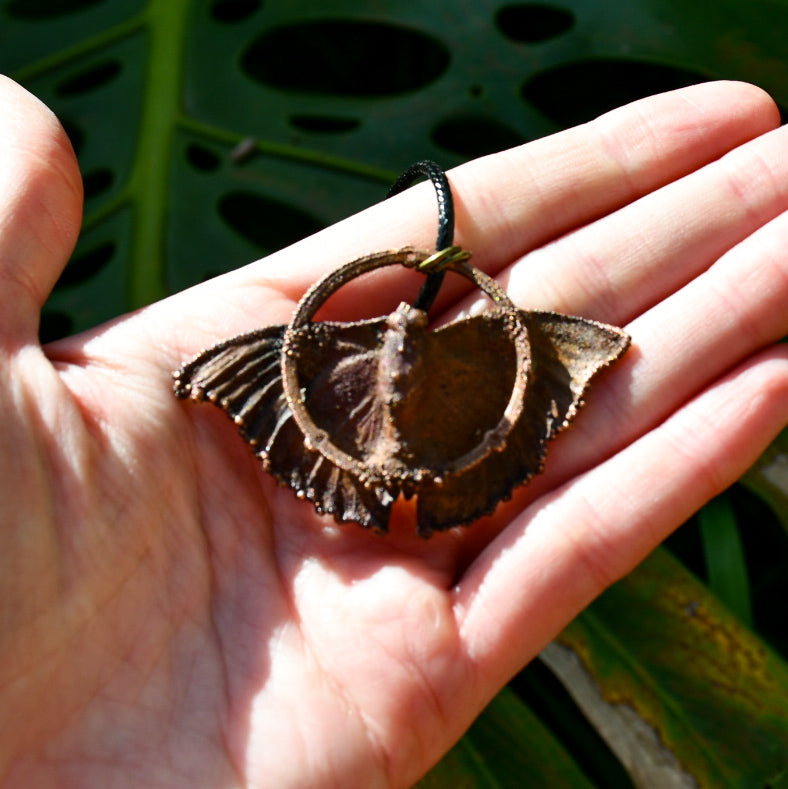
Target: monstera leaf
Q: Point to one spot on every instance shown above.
(210, 133)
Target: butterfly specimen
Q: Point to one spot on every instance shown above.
(352, 415)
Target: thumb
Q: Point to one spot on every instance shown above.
(40, 209)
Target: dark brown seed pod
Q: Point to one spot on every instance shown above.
(353, 415)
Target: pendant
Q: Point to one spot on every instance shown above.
(352, 415)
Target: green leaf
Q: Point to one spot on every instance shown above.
(725, 561)
(769, 477)
(334, 100)
(506, 746)
(726, 565)
(704, 697)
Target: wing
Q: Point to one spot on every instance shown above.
(242, 376)
(338, 370)
(468, 373)
(567, 352)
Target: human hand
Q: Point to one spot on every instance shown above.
(169, 616)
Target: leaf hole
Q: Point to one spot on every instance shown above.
(474, 135)
(345, 58)
(581, 91)
(97, 181)
(230, 11)
(532, 23)
(202, 158)
(266, 223)
(324, 124)
(84, 266)
(75, 134)
(89, 79)
(44, 9)
(54, 325)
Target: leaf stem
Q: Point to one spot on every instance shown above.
(166, 26)
(75, 51)
(292, 152)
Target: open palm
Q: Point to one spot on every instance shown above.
(170, 617)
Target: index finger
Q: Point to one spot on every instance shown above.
(511, 202)
(506, 203)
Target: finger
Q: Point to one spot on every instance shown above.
(40, 208)
(514, 201)
(629, 260)
(565, 549)
(681, 346)
(507, 203)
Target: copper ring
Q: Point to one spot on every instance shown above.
(318, 439)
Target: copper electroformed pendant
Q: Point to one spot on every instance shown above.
(351, 415)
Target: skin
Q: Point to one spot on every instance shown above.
(169, 617)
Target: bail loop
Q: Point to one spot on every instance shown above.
(443, 259)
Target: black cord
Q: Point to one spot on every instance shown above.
(436, 174)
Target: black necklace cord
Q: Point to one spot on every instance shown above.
(436, 174)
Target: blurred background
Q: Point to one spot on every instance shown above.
(212, 132)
